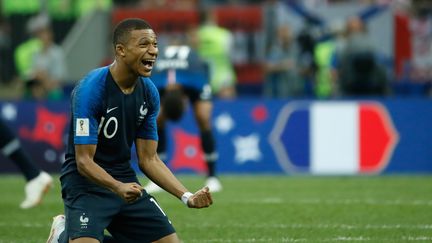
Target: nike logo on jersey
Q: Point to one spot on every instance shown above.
(109, 110)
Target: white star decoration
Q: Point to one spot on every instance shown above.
(247, 148)
(224, 123)
(9, 112)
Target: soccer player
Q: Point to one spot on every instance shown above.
(179, 73)
(38, 181)
(112, 108)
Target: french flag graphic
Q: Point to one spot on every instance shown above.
(333, 137)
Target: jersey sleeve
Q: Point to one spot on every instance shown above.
(87, 99)
(148, 130)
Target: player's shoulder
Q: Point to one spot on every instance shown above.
(150, 90)
(91, 87)
(149, 85)
(95, 77)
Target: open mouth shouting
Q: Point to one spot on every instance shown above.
(148, 64)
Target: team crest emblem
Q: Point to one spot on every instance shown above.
(142, 113)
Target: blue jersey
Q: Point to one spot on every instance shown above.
(180, 65)
(103, 115)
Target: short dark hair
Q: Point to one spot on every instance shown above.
(121, 31)
(173, 104)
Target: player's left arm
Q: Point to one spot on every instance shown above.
(150, 163)
(159, 173)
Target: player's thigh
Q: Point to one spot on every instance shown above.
(141, 221)
(172, 238)
(88, 213)
(84, 240)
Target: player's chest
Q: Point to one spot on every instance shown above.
(122, 113)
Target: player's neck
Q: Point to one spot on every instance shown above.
(123, 78)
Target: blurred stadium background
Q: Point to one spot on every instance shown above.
(320, 165)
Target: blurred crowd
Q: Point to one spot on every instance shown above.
(32, 62)
(315, 61)
(339, 59)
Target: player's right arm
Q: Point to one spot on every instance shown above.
(87, 99)
(86, 166)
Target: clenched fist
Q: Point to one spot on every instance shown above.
(130, 192)
(201, 199)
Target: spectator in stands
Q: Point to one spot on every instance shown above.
(325, 53)
(47, 69)
(359, 72)
(418, 68)
(282, 79)
(307, 66)
(275, 14)
(215, 44)
(16, 14)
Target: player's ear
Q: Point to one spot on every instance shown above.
(120, 49)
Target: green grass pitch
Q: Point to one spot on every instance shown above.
(266, 209)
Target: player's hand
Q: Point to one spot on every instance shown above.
(201, 199)
(130, 192)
